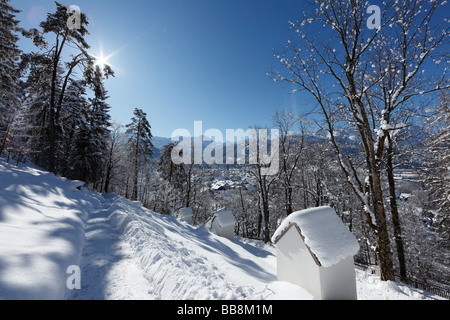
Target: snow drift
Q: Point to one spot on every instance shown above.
(183, 262)
(324, 233)
(126, 252)
(41, 232)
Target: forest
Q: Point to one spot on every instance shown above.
(375, 146)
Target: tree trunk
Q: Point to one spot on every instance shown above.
(136, 163)
(52, 114)
(244, 216)
(135, 183)
(108, 178)
(126, 188)
(266, 222)
(383, 249)
(260, 218)
(394, 211)
(5, 138)
(52, 129)
(288, 198)
(188, 192)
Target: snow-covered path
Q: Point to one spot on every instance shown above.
(133, 253)
(126, 252)
(109, 269)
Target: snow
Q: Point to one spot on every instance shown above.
(324, 233)
(185, 213)
(41, 232)
(225, 218)
(126, 252)
(219, 184)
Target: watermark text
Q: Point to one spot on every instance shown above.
(252, 147)
(74, 20)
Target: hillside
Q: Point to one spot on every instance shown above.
(126, 252)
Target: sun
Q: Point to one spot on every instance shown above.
(101, 61)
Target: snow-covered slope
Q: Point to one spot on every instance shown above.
(182, 262)
(42, 221)
(125, 251)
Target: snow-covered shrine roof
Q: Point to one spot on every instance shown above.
(186, 212)
(323, 232)
(225, 218)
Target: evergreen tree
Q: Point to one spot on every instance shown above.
(74, 117)
(100, 117)
(9, 69)
(89, 151)
(100, 122)
(170, 171)
(56, 24)
(183, 177)
(18, 140)
(139, 144)
(37, 101)
(84, 162)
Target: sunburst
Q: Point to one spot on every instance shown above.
(102, 61)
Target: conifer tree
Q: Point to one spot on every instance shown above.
(84, 162)
(9, 69)
(56, 25)
(100, 117)
(74, 117)
(100, 123)
(92, 128)
(171, 172)
(37, 101)
(139, 145)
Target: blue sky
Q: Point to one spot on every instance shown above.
(187, 60)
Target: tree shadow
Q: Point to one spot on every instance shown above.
(101, 252)
(86, 237)
(224, 248)
(48, 215)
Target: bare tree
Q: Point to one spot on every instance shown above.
(361, 78)
(264, 182)
(438, 168)
(292, 142)
(114, 155)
